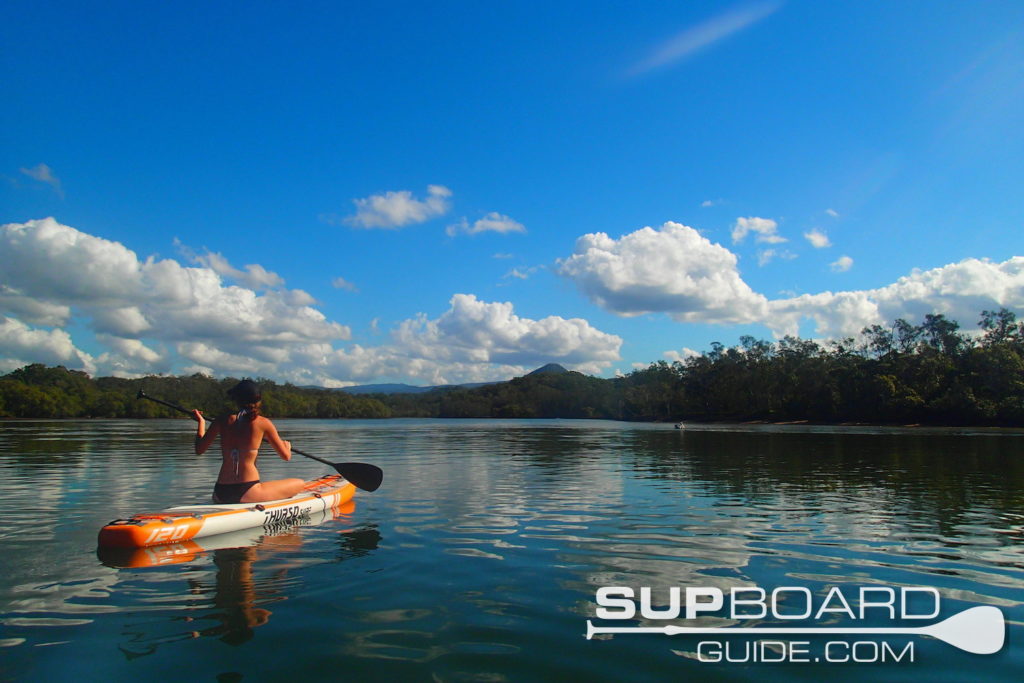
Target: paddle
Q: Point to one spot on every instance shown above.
(363, 475)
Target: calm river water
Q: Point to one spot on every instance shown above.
(481, 555)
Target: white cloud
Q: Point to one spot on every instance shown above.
(341, 283)
(476, 331)
(158, 316)
(398, 209)
(51, 271)
(703, 35)
(473, 341)
(676, 271)
(707, 203)
(682, 355)
(134, 349)
(670, 270)
(842, 264)
(766, 256)
(44, 174)
(21, 345)
(959, 290)
(254, 276)
(35, 311)
(521, 273)
(818, 239)
(492, 222)
(130, 358)
(764, 228)
(832, 212)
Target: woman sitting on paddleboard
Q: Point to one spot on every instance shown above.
(240, 438)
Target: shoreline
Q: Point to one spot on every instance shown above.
(694, 425)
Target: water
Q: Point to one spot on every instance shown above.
(480, 556)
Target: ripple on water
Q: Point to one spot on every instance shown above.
(480, 555)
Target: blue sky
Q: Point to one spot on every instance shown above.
(337, 193)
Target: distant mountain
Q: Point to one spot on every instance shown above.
(408, 388)
(549, 369)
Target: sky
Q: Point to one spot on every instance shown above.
(331, 194)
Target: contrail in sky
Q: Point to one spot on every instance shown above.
(709, 32)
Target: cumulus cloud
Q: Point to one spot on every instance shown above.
(254, 276)
(21, 345)
(130, 358)
(674, 270)
(398, 209)
(842, 264)
(959, 290)
(492, 222)
(766, 256)
(341, 283)
(476, 331)
(158, 316)
(521, 273)
(818, 239)
(473, 341)
(682, 355)
(670, 270)
(763, 228)
(36, 312)
(44, 174)
(51, 270)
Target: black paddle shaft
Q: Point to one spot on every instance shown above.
(364, 475)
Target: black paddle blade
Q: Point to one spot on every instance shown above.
(364, 475)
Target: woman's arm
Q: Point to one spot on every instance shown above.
(283, 448)
(204, 438)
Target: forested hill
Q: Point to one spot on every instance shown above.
(927, 373)
(39, 391)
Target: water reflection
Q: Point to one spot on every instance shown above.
(497, 535)
(251, 572)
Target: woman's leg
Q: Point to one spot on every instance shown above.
(273, 490)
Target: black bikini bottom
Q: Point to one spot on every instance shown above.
(232, 493)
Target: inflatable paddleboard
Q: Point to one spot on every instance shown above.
(191, 550)
(185, 523)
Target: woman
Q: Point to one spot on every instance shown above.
(240, 438)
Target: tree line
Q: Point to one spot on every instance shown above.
(903, 373)
(37, 391)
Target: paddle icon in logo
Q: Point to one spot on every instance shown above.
(978, 630)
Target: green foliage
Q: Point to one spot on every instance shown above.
(41, 392)
(904, 373)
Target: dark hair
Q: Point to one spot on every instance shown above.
(246, 393)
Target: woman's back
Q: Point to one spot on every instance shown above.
(240, 441)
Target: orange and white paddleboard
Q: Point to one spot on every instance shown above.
(180, 524)
(268, 537)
